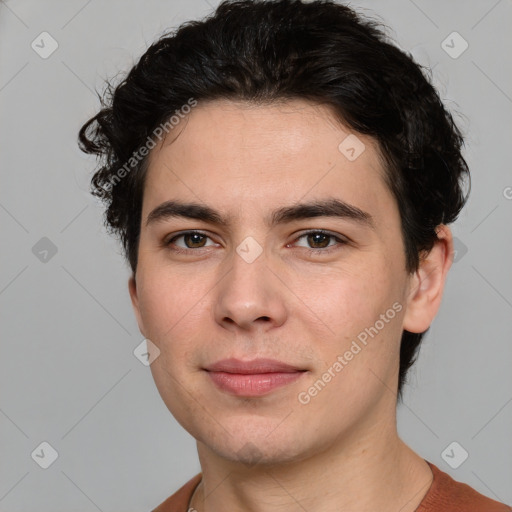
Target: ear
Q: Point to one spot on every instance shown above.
(427, 283)
(132, 287)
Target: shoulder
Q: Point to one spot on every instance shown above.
(178, 502)
(447, 494)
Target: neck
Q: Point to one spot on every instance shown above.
(374, 471)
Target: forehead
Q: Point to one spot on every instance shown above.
(237, 154)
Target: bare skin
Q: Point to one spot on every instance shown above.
(293, 448)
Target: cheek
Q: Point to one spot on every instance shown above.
(362, 311)
(169, 301)
(347, 300)
(359, 362)
(170, 305)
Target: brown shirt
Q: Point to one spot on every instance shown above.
(445, 495)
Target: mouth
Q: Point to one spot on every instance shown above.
(252, 378)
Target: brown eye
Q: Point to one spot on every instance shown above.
(318, 240)
(189, 240)
(194, 240)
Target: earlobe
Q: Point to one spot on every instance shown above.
(132, 288)
(427, 284)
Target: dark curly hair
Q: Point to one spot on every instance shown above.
(265, 51)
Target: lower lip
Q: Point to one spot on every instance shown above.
(250, 385)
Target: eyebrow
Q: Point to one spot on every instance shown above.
(330, 207)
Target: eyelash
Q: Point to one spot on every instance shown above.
(326, 250)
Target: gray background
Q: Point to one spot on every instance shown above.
(68, 373)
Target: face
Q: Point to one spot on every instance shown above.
(279, 318)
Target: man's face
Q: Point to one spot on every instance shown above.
(271, 286)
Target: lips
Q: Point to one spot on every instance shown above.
(252, 378)
(251, 367)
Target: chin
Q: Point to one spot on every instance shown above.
(258, 446)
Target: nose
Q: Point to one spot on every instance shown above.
(250, 296)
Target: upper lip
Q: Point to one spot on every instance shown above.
(254, 366)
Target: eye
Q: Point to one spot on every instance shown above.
(320, 241)
(316, 242)
(190, 240)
